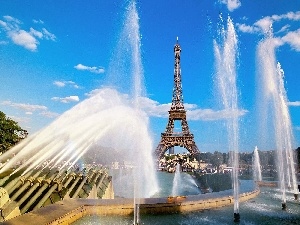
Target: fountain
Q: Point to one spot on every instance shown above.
(108, 118)
(275, 109)
(177, 181)
(112, 118)
(130, 43)
(225, 54)
(256, 166)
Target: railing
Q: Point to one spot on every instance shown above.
(177, 134)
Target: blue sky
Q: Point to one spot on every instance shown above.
(53, 53)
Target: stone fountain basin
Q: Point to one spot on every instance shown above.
(69, 210)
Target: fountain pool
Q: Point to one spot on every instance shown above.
(263, 209)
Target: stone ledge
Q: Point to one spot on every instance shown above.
(67, 211)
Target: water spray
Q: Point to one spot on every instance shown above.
(274, 96)
(226, 77)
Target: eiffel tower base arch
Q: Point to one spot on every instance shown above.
(168, 141)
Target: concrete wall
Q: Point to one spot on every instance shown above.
(109, 191)
(8, 209)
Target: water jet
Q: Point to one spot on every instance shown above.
(256, 166)
(226, 77)
(273, 98)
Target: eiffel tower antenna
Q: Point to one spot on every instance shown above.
(170, 138)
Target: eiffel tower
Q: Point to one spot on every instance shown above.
(177, 112)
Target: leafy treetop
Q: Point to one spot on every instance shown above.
(10, 133)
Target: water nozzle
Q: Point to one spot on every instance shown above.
(283, 205)
(236, 217)
(296, 196)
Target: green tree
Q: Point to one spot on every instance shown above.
(217, 160)
(10, 133)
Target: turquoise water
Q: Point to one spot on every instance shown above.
(124, 189)
(263, 210)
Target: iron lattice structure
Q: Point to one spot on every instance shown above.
(177, 112)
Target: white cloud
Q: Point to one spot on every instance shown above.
(293, 39)
(294, 16)
(3, 24)
(48, 35)
(49, 114)
(276, 42)
(11, 19)
(59, 83)
(24, 106)
(38, 21)
(10, 24)
(20, 119)
(72, 98)
(265, 25)
(64, 83)
(284, 29)
(36, 33)
(231, 4)
(26, 39)
(290, 16)
(246, 28)
(92, 69)
(30, 108)
(209, 114)
(155, 109)
(296, 103)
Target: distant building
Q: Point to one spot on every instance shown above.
(227, 170)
